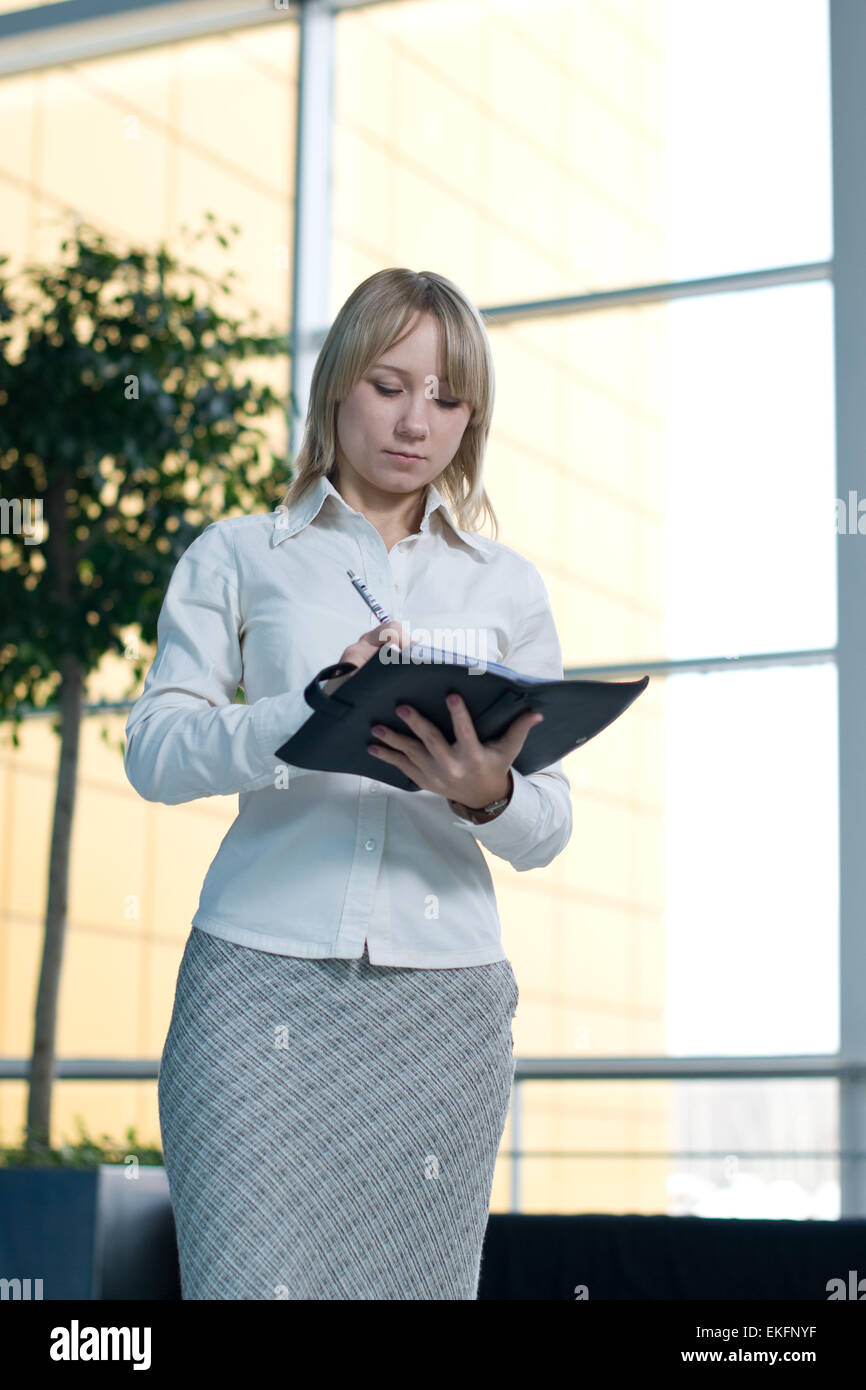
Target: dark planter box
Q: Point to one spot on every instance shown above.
(87, 1234)
(670, 1258)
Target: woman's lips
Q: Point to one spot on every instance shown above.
(404, 458)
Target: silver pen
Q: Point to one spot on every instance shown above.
(368, 598)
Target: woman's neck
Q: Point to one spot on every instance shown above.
(394, 518)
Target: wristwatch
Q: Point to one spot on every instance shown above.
(471, 813)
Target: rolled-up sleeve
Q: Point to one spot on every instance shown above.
(536, 824)
(185, 736)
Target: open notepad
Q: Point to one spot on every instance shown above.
(335, 737)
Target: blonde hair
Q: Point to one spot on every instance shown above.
(373, 318)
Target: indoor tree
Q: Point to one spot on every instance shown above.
(125, 428)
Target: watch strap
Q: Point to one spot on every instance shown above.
(471, 812)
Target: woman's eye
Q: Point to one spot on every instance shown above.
(384, 391)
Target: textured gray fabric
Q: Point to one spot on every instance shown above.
(330, 1127)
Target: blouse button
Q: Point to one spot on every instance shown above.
(370, 844)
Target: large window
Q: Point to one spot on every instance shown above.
(665, 454)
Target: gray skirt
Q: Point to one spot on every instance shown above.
(330, 1127)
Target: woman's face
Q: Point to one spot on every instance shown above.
(402, 405)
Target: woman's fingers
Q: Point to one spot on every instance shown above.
(385, 634)
(366, 647)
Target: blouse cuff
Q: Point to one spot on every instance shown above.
(275, 719)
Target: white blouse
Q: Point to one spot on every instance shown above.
(317, 863)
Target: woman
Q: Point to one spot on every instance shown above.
(337, 1072)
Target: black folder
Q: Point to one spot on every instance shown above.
(335, 737)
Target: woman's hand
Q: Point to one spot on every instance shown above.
(366, 647)
(469, 772)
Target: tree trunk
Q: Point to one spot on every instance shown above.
(45, 1026)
